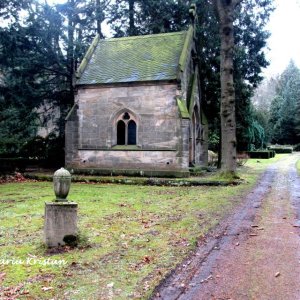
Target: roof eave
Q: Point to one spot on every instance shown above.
(185, 50)
(87, 56)
(128, 83)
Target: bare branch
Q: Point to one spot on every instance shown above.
(235, 3)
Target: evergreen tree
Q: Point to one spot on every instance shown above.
(275, 119)
(135, 17)
(31, 72)
(249, 58)
(41, 51)
(39, 54)
(283, 116)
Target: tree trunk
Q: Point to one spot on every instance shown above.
(99, 18)
(225, 12)
(131, 18)
(70, 49)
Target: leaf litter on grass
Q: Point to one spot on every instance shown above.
(134, 236)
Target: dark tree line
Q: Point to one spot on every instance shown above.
(284, 111)
(277, 108)
(41, 47)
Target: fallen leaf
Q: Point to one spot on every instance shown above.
(24, 293)
(147, 259)
(47, 288)
(32, 256)
(2, 275)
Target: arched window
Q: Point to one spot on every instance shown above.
(131, 133)
(126, 130)
(121, 133)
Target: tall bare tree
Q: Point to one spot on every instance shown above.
(225, 14)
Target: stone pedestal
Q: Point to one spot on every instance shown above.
(60, 223)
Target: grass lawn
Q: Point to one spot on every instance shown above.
(131, 236)
(298, 166)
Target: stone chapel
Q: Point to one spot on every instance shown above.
(138, 108)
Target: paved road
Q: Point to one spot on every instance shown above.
(256, 254)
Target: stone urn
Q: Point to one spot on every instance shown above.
(61, 184)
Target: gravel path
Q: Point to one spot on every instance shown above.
(255, 253)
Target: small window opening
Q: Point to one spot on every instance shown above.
(126, 116)
(126, 130)
(121, 133)
(131, 133)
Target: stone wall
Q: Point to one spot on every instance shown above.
(131, 159)
(198, 141)
(71, 136)
(163, 139)
(204, 141)
(159, 128)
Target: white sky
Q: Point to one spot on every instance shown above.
(284, 43)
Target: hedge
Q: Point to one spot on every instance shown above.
(297, 147)
(281, 149)
(272, 153)
(10, 165)
(265, 154)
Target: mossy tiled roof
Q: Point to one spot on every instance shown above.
(131, 59)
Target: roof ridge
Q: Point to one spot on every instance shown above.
(133, 59)
(143, 36)
(87, 56)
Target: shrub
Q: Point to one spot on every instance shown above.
(213, 141)
(281, 149)
(35, 147)
(273, 153)
(297, 147)
(212, 158)
(197, 171)
(10, 165)
(50, 150)
(264, 154)
(242, 158)
(38, 152)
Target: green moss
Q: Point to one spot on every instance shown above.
(203, 180)
(87, 56)
(191, 101)
(138, 58)
(132, 236)
(126, 147)
(203, 118)
(71, 111)
(185, 50)
(131, 172)
(183, 109)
